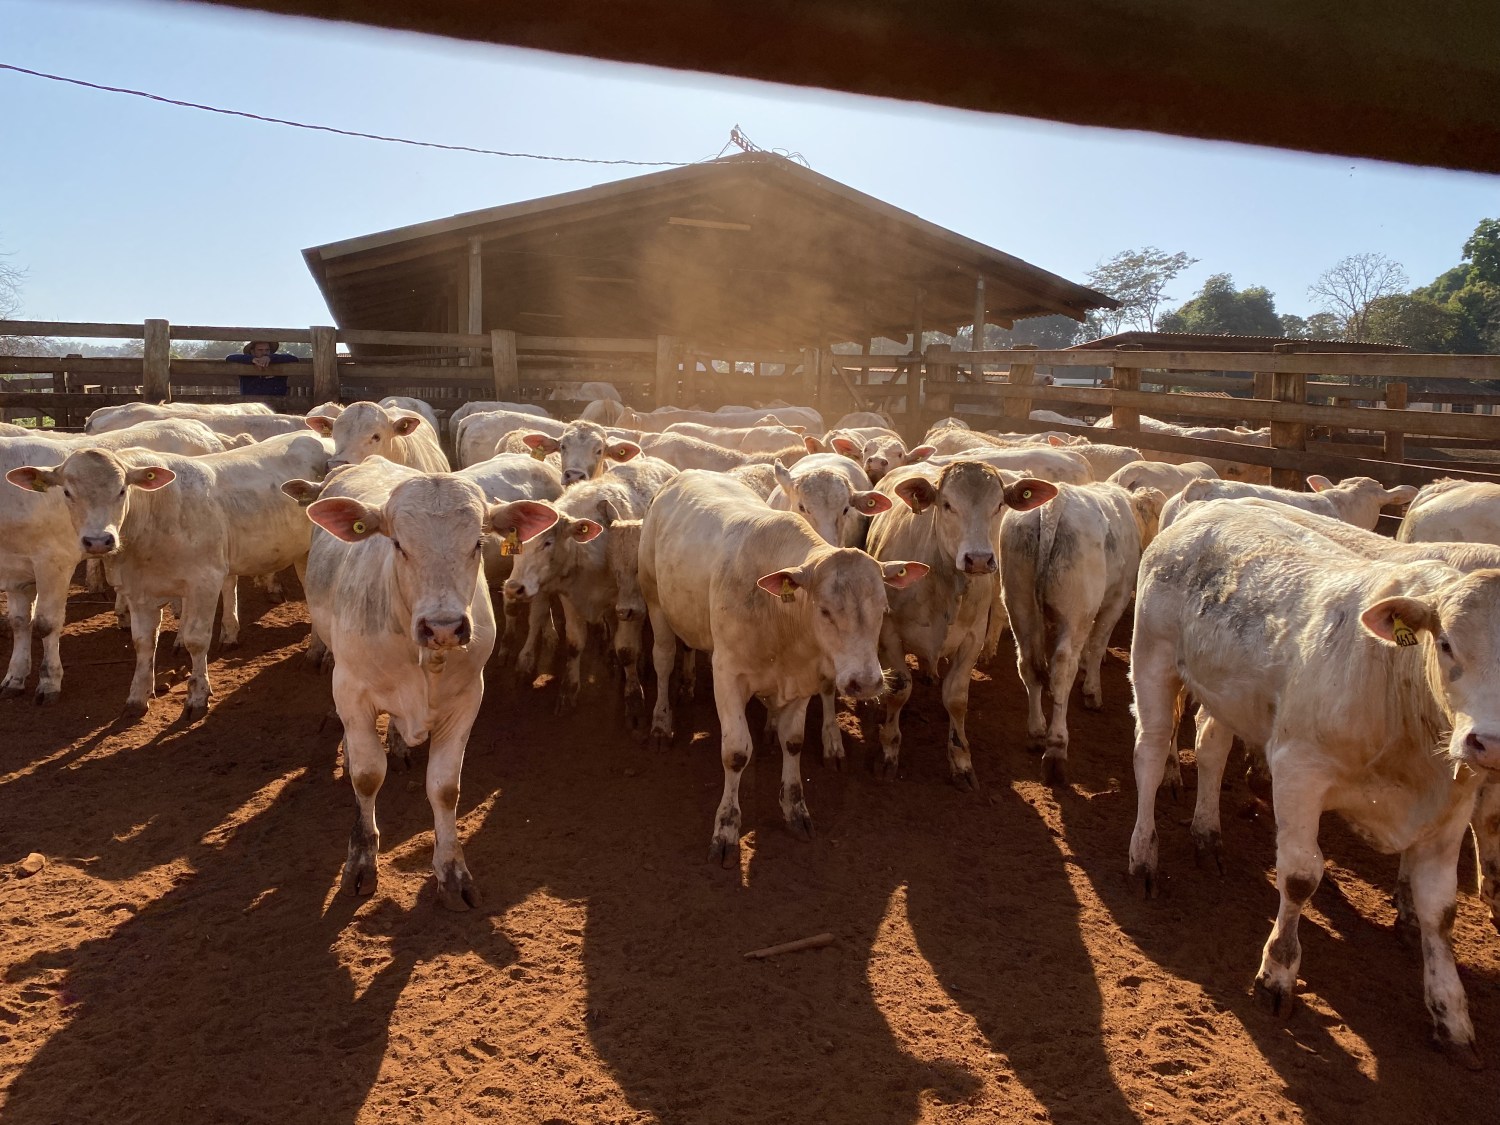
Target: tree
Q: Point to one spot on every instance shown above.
(1220, 308)
(1348, 287)
(10, 304)
(1138, 279)
(1482, 252)
(1421, 323)
(1293, 327)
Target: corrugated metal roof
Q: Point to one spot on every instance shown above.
(1215, 342)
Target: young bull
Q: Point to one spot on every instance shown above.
(367, 429)
(949, 519)
(1349, 672)
(877, 450)
(832, 493)
(396, 589)
(584, 449)
(1068, 569)
(1355, 500)
(782, 613)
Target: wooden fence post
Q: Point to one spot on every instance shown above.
(1021, 375)
(810, 358)
(666, 371)
(325, 383)
(474, 318)
(1125, 378)
(63, 383)
(1395, 440)
(156, 362)
(938, 368)
(1289, 387)
(507, 369)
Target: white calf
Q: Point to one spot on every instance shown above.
(1355, 500)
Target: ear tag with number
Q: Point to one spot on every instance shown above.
(510, 543)
(788, 592)
(1402, 633)
(538, 453)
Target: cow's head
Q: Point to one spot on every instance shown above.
(95, 488)
(827, 501)
(551, 557)
(435, 525)
(364, 429)
(583, 448)
(966, 502)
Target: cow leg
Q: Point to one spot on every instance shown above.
(1062, 671)
(317, 654)
(1487, 843)
(1031, 663)
(364, 758)
(576, 632)
(999, 622)
(833, 734)
(145, 627)
(663, 657)
(229, 624)
(687, 674)
(956, 700)
(1215, 740)
(791, 723)
(445, 760)
(18, 599)
(48, 621)
(93, 575)
(1153, 672)
(892, 658)
(122, 612)
(537, 614)
(1297, 794)
(628, 637)
(1097, 643)
(275, 591)
(195, 629)
(1432, 865)
(730, 697)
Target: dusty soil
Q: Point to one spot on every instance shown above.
(185, 956)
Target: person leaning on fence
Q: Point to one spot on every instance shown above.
(262, 353)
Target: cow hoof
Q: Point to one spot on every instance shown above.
(659, 740)
(134, 711)
(276, 597)
(1147, 879)
(359, 876)
(1054, 771)
(1173, 785)
(1093, 702)
(965, 780)
(227, 645)
(1465, 1054)
(834, 760)
(10, 691)
(1036, 743)
(457, 891)
(192, 712)
(1209, 846)
(45, 697)
(726, 853)
(1275, 999)
(885, 769)
(800, 823)
(567, 703)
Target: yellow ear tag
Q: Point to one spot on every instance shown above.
(358, 527)
(1402, 633)
(788, 592)
(538, 453)
(510, 543)
(38, 486)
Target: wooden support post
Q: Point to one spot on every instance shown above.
(937, 369)
(475, 287)
(156, 362)
(325, 381)
(1021, 375)
(1126, 378)
(666, 371)
(1395, 440)
(976, 342)
(507, 370)
(1288, 387)
(916, 320)
(810, 369)
(64, 383)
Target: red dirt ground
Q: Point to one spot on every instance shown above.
(184, 956)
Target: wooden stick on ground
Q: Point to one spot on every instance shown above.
(817, 941)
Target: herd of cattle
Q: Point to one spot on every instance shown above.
(809, 562)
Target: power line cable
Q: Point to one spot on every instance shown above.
(341, 132)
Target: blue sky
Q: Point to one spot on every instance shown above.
(118, 208)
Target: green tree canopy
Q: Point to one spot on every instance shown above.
(1220, 308)
(1421, 323)
(1138, 279)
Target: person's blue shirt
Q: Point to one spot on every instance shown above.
(262, 384)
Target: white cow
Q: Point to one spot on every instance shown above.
(484, 406)
(1349, 672)
(861, 418)
(414, 406)
(367, 429)
(689, 453)
(569, 562)
(128, 414)
(877, 449)
(582, 449)
(707, 543)
(1355, 500)
(477, 436)
(1104, 460)
(832, 493)
(656, 421)
(395, 587)
(1060, 466)
(948, 518)
(1169, 479)
(1068, 571)
(765, 438)
(1456, 511)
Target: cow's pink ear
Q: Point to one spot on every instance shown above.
(900, 575)
(917, 492)
(1028, 493)
(33, 479)
(846, 447)
(814, 445)
(535, 440)
(151, 477)
(527, 518)
(1397, 620)
(871, 502)
(783, 584)
(302, 491)
(920, 453)
(624, 450)
(1317, 482)
(584, 530)
(345, 518)
(321, 425)
(406, 424)
(1053, 439)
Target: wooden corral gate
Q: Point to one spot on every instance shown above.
(1334, 413)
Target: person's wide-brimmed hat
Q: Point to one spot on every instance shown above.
(250, 347)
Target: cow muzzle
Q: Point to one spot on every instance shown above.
(443, 632)
(97, 546)
(977, 562)
(1482, 750)
(515, 591)
(573, 476)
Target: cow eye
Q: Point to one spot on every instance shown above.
(479, 546)
(1445, 646)
(947, 507)
(122, 493)
(68, 494)
(826, 615)
(396, 543)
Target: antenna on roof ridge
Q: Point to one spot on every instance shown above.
(745, 144)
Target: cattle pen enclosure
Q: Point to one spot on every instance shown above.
(184, 953)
